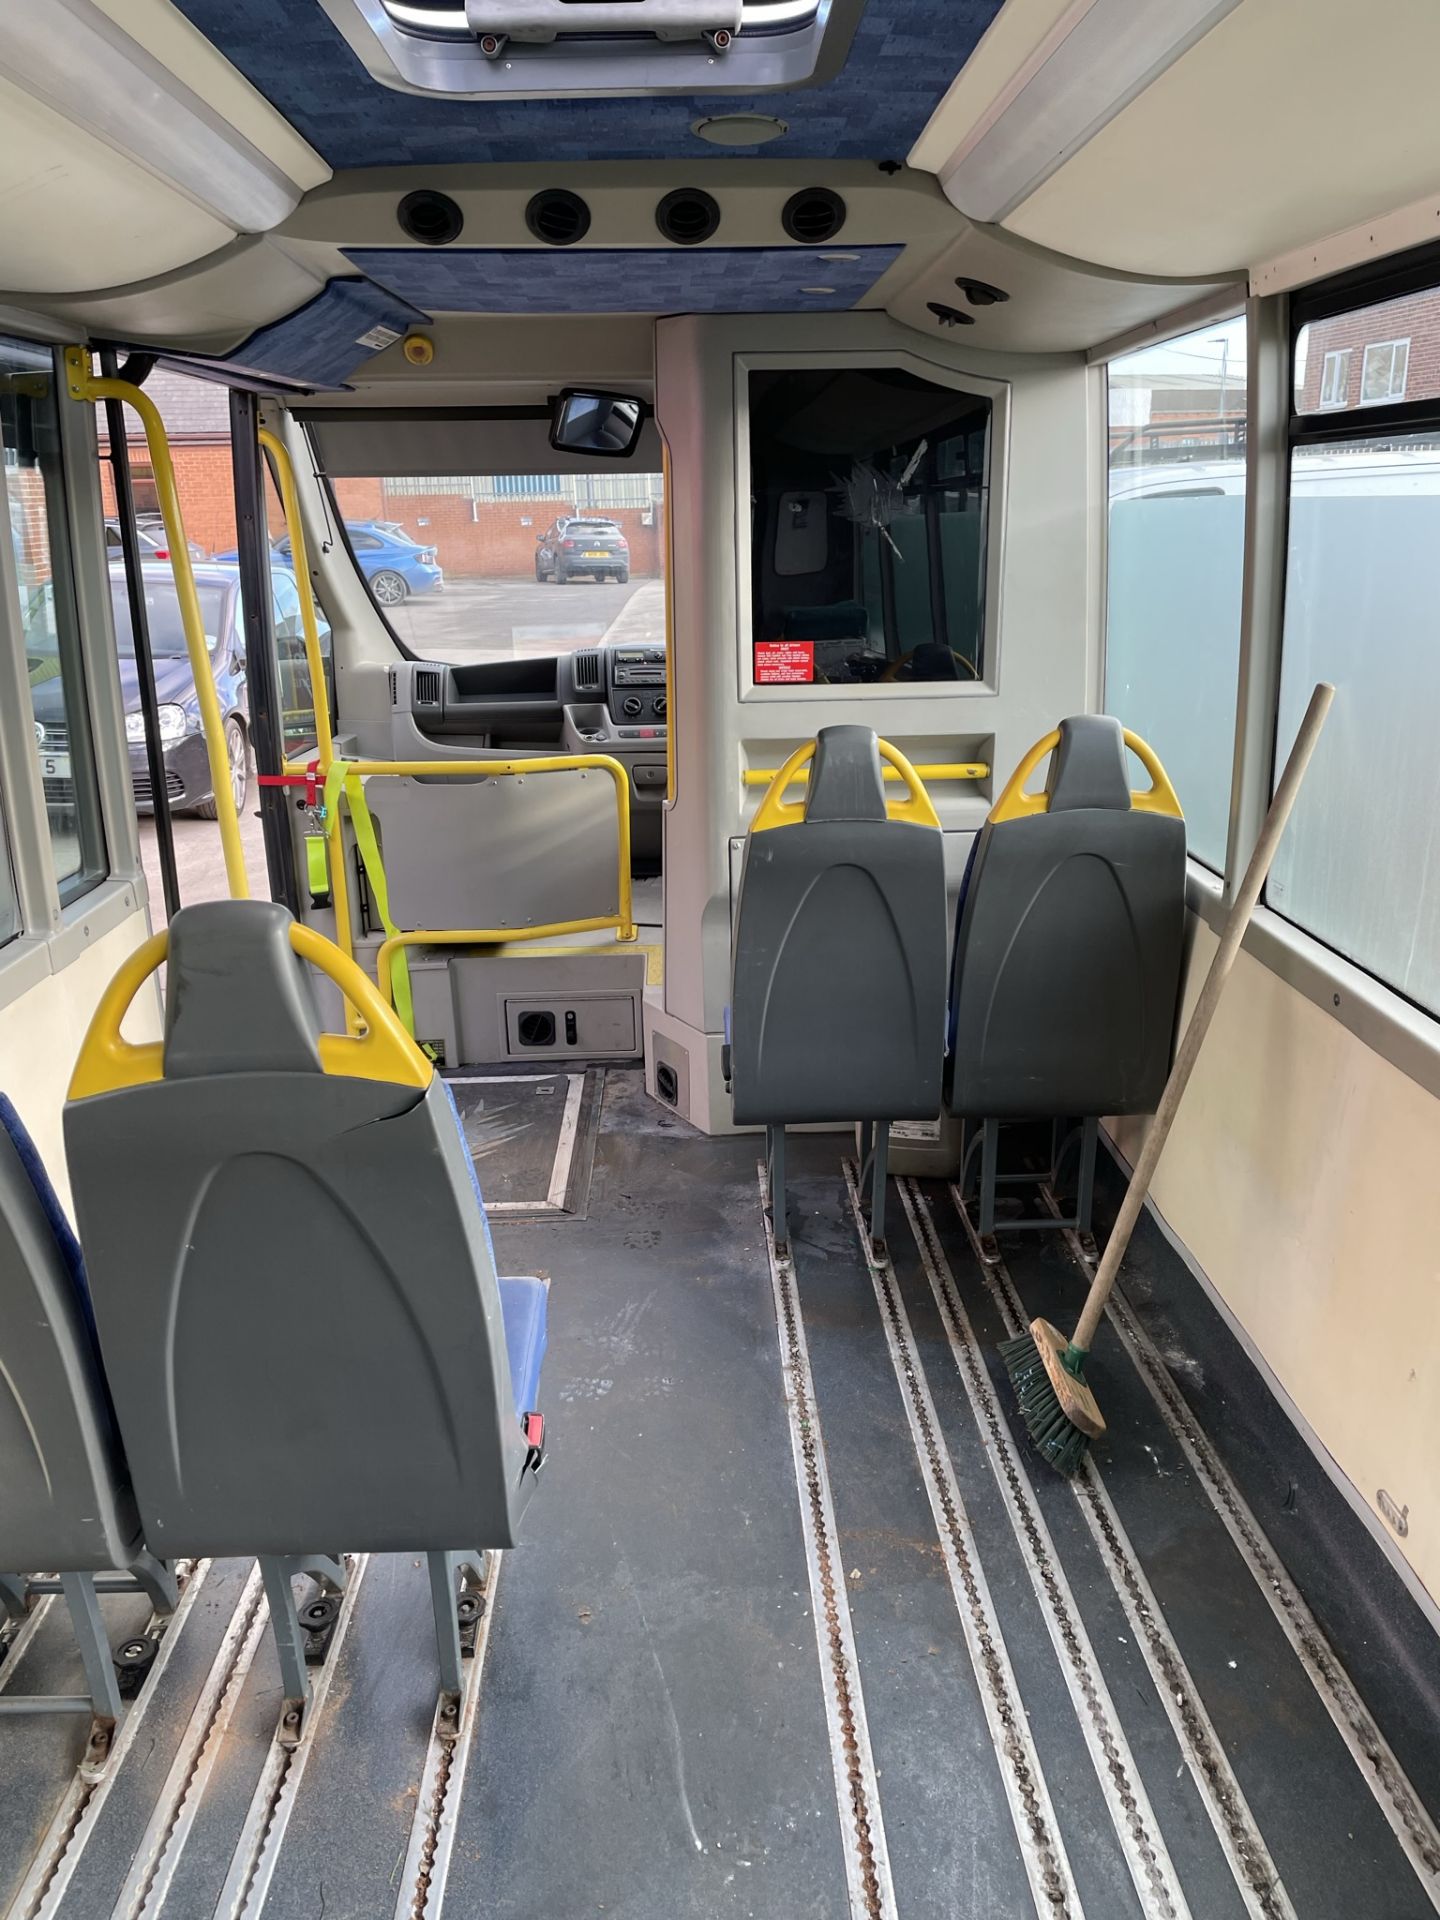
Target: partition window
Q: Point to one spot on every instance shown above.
(1176, 560)
(869, 525)
(48, 618)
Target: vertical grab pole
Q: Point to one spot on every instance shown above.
(320, 693)
(261, 665)
(140, 638)
(84, 386)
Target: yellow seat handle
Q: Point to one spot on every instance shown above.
(1016, 804)
(916, 809)
(385, 1051)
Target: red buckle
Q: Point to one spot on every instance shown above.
(533, 1426)
(308, 780)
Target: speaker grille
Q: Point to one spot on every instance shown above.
(813, 216)
(687, 216)
(558, 217)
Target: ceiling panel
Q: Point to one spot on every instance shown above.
(902, 59)
(626, 280)
(1289, 120)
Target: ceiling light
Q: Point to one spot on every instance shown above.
(1097, 58)
(739, 129)
(73, 58)
(817, 289)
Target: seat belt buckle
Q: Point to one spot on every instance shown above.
(533, 1427)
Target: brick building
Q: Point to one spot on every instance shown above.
(482, 527)
(1373, 356)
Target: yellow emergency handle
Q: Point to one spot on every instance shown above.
(83, 385)
(776, 811)
(385, 1051)
(1015, 804)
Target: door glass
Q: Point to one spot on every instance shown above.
(49, 623)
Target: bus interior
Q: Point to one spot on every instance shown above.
(708, 707)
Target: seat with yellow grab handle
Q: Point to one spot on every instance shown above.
(287, 1244)
(838, 976)
(1069, 938)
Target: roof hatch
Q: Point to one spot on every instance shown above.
(479, 48)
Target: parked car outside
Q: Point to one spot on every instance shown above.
(569, 548)
(395, 565)
(153, 541)
(187, 765)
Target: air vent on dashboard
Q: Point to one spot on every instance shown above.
(425, 687)
(813, 216)
(558, 217)
(586, 665)
(687, 215)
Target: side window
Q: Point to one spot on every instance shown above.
(364, 543)
(1176, 556)
(1357, 867)
(297, 696)
(48, 619)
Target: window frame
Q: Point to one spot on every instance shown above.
(53, 934)
(997, 392)
(1337, 357)
(1392, 347)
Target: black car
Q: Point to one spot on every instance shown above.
(568, 548)
(187, 766)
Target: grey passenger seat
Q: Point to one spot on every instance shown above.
(65, 1499)
(838, 983)
(1065, 974)
(296, 1294)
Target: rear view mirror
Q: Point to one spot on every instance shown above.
(603, 424)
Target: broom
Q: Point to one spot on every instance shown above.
(1048, 1372)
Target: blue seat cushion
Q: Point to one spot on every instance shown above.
(524, 1301)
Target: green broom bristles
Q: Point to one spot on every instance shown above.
(1052, 1433)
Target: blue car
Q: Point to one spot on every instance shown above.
(395, 565)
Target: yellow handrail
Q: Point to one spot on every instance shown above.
(84, 385)
(623, 919)
(384, 1051)
(320, 698)
(949, 770)
(1016, 804)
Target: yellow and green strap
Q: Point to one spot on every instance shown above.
(341, 778)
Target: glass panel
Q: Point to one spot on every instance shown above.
(297, 699)
(468, 567)
(869, 506)
(35, 488)
(1176, 557)
(9, 900)
(1360, 865)
(1393, 348)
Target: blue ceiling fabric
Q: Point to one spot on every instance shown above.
(322, 343)
(626, 279)
(903, 57)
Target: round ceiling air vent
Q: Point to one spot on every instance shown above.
(558, 217)
(429, 217)
(813, 216)
(687, 216)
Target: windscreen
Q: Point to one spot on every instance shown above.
(509, 566)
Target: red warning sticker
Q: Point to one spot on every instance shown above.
(783, 663)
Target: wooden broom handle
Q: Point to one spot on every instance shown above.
(1236, 923)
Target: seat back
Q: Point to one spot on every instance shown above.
(838, 977)
(1065, 975)
(292, 1273)
(65, 1501)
